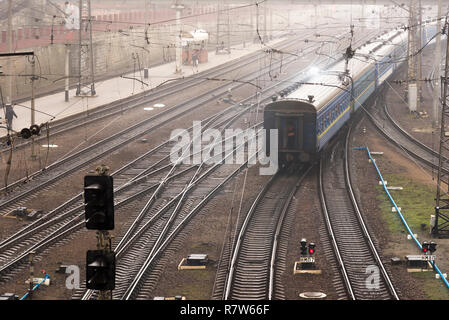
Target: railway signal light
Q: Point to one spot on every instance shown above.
(303, 247)
(425, 247)
(311, 248)
(34, 130)
(432, 247)
(100, 270)
(25, 133)
(99, 202)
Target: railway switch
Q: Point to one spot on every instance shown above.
(99, 202)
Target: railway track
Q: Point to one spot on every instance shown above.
(60, 220)
(20, 191)
(360, 265)
(138, 254)
(394, 133)
(157, 94)
(70, 215)
(253, 258)
(68, 229)
(139, 100)
(147, 173)
(23, 189)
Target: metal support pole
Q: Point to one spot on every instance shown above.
(178, 8)
(33, 109)
(265, 36)
(437, 71)
(271, 24)
(218, 27)
(86, 50)
(413, 94)
(441, 227)
(251, 31)
(419, 58)
(67, 72)
(229, 30)
(80, 48)
(92, 61)
(9, 64)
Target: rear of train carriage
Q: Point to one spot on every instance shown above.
(304, 127)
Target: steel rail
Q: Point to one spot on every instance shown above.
(131, 291)
(274, 249)
(360, 218)
(332, 237)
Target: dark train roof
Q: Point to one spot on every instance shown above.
(291, 106)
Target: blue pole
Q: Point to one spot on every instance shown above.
(47, 276)
(400, 214)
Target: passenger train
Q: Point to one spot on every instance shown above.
(311, 112)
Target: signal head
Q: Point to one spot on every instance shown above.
(425, 246)
(311, 248)
(25, 133)
(432, 247)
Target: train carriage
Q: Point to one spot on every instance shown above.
(308, 117)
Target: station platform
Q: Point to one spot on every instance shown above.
(54, 107)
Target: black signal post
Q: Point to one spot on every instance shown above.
(99, 215)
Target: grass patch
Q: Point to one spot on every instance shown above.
(417, 203)
(433, 288)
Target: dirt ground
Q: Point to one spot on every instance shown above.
(393, 244)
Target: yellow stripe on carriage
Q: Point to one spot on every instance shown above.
(346, 110)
